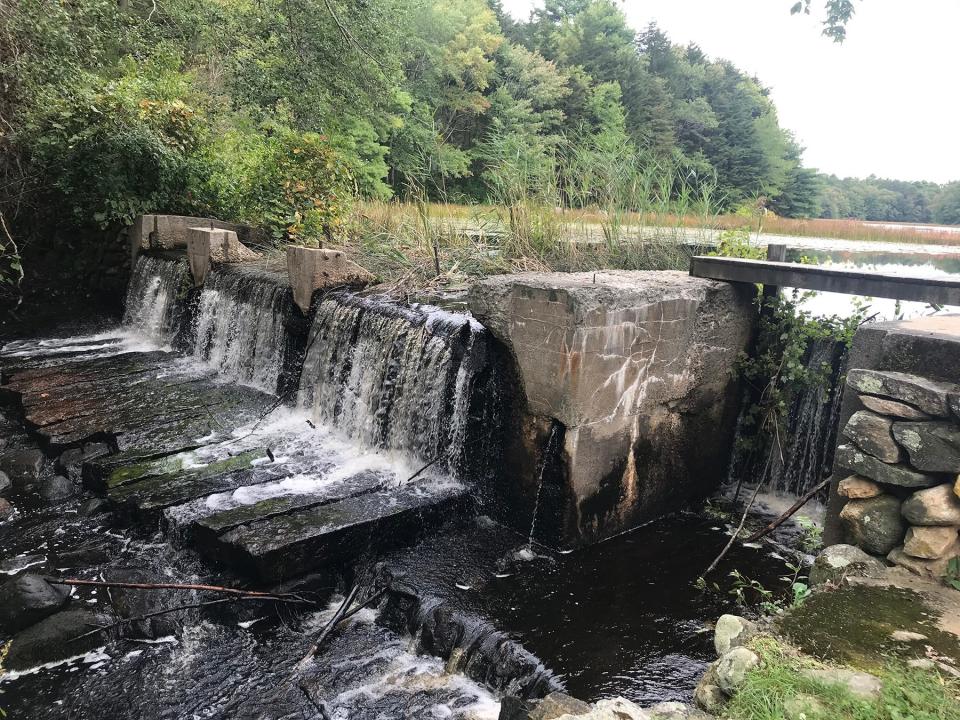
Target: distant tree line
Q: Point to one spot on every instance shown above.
(892, 200)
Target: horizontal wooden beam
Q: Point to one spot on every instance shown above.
(937, 291)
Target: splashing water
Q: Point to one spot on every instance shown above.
(240, 327)
(392, 377)
(151, 304)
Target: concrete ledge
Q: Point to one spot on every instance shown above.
(168, 232)
(206, 246)
(312, 269)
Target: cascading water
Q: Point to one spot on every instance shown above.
(393, 377)
(240, 324)
(152, 306)
(811, 431)
(543, 470)
(812, 424)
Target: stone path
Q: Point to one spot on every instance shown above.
(181, 443)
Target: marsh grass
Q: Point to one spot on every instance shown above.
(402, 243)
(770, 690)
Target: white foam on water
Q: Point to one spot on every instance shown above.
(94, 658)
(419, 677)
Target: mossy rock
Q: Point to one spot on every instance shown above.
(853, 624)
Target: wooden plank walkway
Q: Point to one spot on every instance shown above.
(936, 291)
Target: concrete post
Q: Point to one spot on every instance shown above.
(311, 269)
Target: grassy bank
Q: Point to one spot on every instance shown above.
(780, 688)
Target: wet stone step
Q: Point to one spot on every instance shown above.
(289, 545)
(151, 494)
(205, 528)
(28, 371)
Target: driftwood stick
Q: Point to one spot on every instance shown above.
(328, 628)
(421, 470)
(147, 616)
(783, 518)
(236, 592)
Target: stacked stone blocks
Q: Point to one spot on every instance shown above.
(904, 499)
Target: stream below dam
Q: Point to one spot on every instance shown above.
(218, 436)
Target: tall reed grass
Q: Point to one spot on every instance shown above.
(609, 210)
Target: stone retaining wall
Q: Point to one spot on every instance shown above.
(895, 490)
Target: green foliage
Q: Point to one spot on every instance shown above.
(838, 15)
(952, 576)
(119, 148)
(811, 539)
(293, 184)
(777, 372)
(736, 244)
(907, 693)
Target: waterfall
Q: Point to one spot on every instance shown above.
(811, 431)
(812, 424)
(152, 306)
(393, 377)
(240, 326)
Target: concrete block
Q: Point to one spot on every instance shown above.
(311, 269)
(206, 246)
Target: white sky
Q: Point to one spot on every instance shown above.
(886, 102)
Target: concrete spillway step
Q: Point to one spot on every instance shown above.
(126, 398)
(288, 545)
(151, 487)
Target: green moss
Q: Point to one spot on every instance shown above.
(778, 683)
(853, 625)
(154, 476)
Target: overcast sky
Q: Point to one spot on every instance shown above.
(886, 102)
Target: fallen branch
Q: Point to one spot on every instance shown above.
(236, 592)
(421, 470)
(786, 516)
(328, 628)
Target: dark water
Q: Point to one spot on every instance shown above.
(620, 618)
(624, 617)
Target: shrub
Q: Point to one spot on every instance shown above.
(122, 147)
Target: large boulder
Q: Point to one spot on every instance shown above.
(934, 506)
(23, 467)
(56, 489)
(636, 369)
(873, 434)
(27, 599)
(933, 446)
(6, 509)
(870, 467)
(931, 543)
(859, 684)
(558, 704)
(707, 695)
(892, 408)
(63, 635)
(130, 603)
(858, 488)
(875, 525)
(929, 396)
(6, 484)
(841, 561)
(922, 566)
